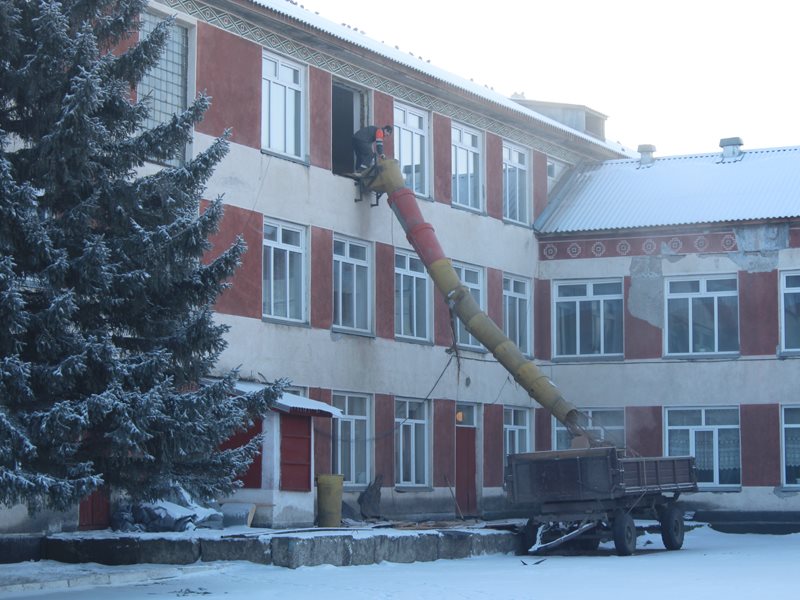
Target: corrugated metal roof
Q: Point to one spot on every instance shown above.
(678, 190)
(359, 39)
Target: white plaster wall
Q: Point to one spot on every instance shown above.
(15, 519)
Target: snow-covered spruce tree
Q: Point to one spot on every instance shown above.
(105, 303)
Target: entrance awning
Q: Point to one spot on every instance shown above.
(294, 404)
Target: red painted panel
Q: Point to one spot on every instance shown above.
(383, 113)
(644, 426)
(761, 444)
(539, 182)
(321, 278)
(494, 295)
(493, 445)
(758, 313)
(442, 159)
(494, 176)
(384, 438)
(444, 431)
(384, 290)
(466, 469)
(94, 511)
(642, 340)
(541, 319)
(243, 298)
(295, 453)
(229, 70)
(794, 237)
(252, 477)
(323, 434)
(543, 429)
(321, 101)
(442, 330)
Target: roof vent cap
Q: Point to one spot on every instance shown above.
(646, 151)
(731, 147)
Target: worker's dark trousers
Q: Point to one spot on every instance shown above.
(363, 151)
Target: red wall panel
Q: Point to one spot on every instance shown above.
(323, 434)
(384, 438)
(321, 278)
(442, 158)
(539, 183)
(383, 113)
(384, 290)
(494, 176)
(243, 298)
(321, 102)
(444, 443)
(543, 429)
(541, 319)
(644, 426)
(229, 70)
(295, 453)
(494, 295)
(252, 477)
(760, 428)
(642, 340)
(758, 313)
(493, 445)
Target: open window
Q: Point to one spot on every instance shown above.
(349, 114)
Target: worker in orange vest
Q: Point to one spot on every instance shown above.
(362, 144)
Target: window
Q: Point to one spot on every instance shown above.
(790, 300)
(516, 308)
(465, 415)
(711, 435)
(350, 450)
(791, 445)
(284, 271)
(352, 300)
(555, 169)
(164, 87)
(605, 423)
(348, 107)
(410, 147)
(702, 315)
(472, 278)
(515, 184)
(466, 166)
(588, 318)
(411, 442)
(412, 297)
(282, 105)
(516, 431)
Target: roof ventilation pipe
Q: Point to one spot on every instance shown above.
(731, 147)
(646, 151)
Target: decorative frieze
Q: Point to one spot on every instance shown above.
(639, 246)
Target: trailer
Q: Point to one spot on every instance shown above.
(589, 495)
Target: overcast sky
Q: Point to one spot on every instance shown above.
(679, 74)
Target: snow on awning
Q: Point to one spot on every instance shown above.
(292, 403)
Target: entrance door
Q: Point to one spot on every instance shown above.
(466, 464)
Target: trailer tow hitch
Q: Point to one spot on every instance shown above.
(540, 546)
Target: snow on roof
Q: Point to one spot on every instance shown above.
(293, 403)
(679, 190)
(357, 38)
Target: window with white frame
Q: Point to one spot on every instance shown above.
(516, 178)
(791, 445)
(350, 439)
(604, 423)
(516, 309)
(790, 300)
(588, 318)
(702, 315)
(411, 442)
(412, 297)
(466, 167)
(352, 299)
(164, 87)
(466, 415)
(516, 431)
(283, 264)
(472, 278)
(711, 435)
(411, 146)
(555, 168)
(282, 105)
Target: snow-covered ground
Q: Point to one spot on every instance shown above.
(710, 565)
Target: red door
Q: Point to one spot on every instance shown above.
(94, 511)
(465, 471)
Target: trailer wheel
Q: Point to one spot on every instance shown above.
(672, 529)
(624, 530)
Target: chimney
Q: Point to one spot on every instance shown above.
(646, 152)
(731, 147)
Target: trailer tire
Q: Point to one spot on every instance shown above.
(624, 530)
(672, 527)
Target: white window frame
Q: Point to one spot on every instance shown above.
(466, 152)
(478, 291)
(703, 293)
(792, 424)
(517, 311)
(351, 441)
(516, 207)
(410, 138)
(286, 250)
(275, 110)
(516, 435)
(704, 428)
(410, 278)
(594, 293)
(341, 264)
(408, 429)
(595, 425)
(789, 289)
